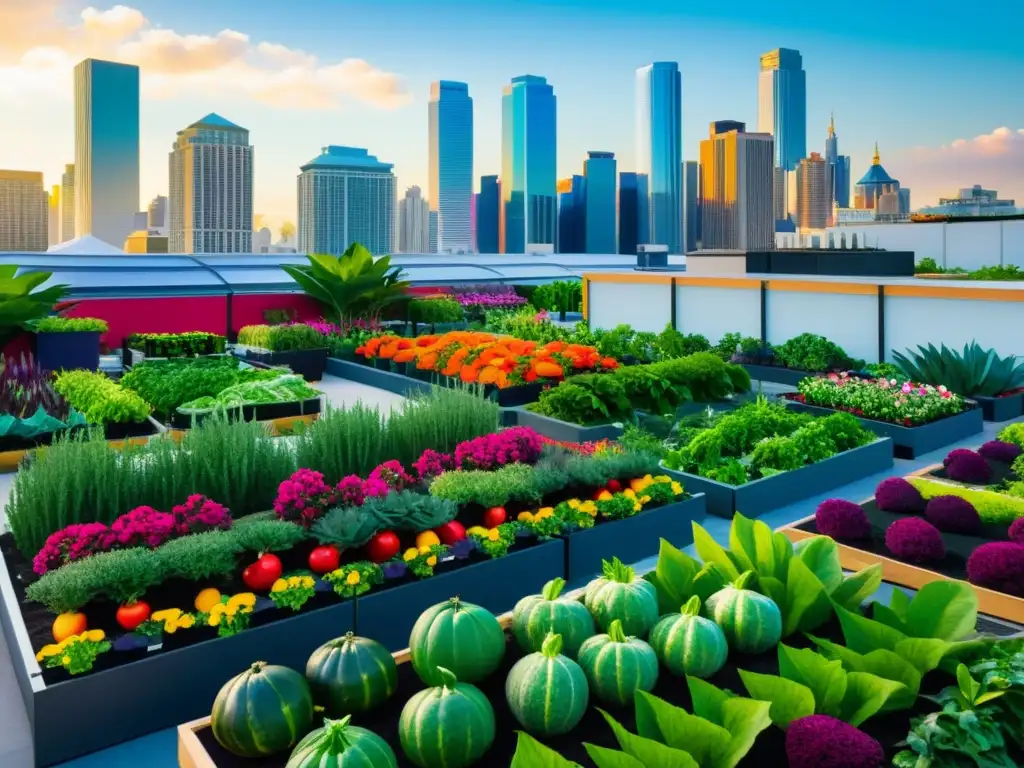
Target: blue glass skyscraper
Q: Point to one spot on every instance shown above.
(450, 123)
(572, 202)
(106, 150)
(600, 223)
(528, 175)
(839, 168)
(488, 203)
(634, 215)
(659, 148)
(782, 105)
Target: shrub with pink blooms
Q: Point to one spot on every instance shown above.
(998, 565)
(1016, 532)
(430, 464)
(915, 540)
(881, 399)
(393, 474)
(199, 514)
(304, 497)
(517, 445)
(69, 544)
(142, 527)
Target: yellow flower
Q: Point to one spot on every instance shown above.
(525, 517)
(214, 619)
(663, 479)
(423, 550)
(644, 499)
(476, 530)
(494, 534)
(230, 610)
(94, 635)
(573, 503)
(544, 512)
(307, 582)
(629, 493)
(588, 507)
(279, 586)
(48, 650)
(604, 496)
(186, 622)
(637, 506)
(243, 600)
(168, 614)
(293, 581)
(648, 479)
(677, 489)
(410, 554)
(431, 561)
(66, 660)
(352, 578)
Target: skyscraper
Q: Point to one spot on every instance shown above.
(600, 224)
(488, 215)
(23, 211)
(839, 169)
(528, 176)
(634, 214)
(211, 169)
(53, 217)
(659, 148)
(782, 105)
(736, 189)
(157, 213)
(413, 222)
(572, 215)
(346, 195)
(67, 204)
(691, 205)
(813, 192)
(106, 149)
(450, 122)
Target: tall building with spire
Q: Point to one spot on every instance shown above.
(839, 169)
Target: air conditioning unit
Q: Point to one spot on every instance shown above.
(652, 257)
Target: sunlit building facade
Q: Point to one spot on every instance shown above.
(24, 211)
(691, 205)
(659, 149)
(572, 214)
(106, 189)
(839, 169)
(450, 137)
(813, 192)
(67, 203)
(529, 126)
(488, 215)
(600, 186)
(875, 183)
(782, 105)
(634, 216)
(53, 216)
(413, 222)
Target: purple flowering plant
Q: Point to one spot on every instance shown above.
(520, 445)
(304, 497)
(430, 464)
(393, 474)
(199, 514)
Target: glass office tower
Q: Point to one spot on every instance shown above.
(450, 137)
(659, 148)
(488, 204)
(634, 217)
(600, 225)
(782, 105)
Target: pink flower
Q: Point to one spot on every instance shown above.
(883, 383)
(143, 526)
(393, 474)
(510, 446)
(905, 388)
(942, 389)
(431, 464)
(199, 514)
(833, 377)
(305, 490)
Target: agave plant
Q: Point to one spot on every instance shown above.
(350, 286)
(975, 371)
(19, 305)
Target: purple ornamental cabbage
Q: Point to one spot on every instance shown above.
(895, 494)
(997, 450)
(953, 515)
(820, 741)
(968, 467)
(915, 540)
(998, 565)
(842, 520)
(1016, 532)
(955, 454)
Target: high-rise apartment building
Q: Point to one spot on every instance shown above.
(24, 211)
(488, 215)
(782, 105)
(156, 214)
(413, 222)
(736, 189)
(601, 185)
(528, 161)
(691, 205)
(813, 192)
(346, 195)
(106, 149)
(53, 216)
(839, 169)
(450, 136)
(634, 216)
(210, 206)
(659, 149)
(572, 214)
(67, 203)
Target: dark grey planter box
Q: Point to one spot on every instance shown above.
(1000, 408)
(776, 374)
(911, 442)
(307, 363)
(387, 615)
(565, 431)
(97, 710)
(632, 539)
(375, 377)
(760, 496)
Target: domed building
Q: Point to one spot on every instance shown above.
(869, 191)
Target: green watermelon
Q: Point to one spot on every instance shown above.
(450, 726)
(536, 615)
(620, 594)
(688, 644)
(751, 622)
(351, 674)
(340, 745)
(546, 691)
(461, 637)
(617, 666)
(263, 711)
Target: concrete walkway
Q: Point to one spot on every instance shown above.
(159, 750)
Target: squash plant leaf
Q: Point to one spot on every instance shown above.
(864, 635)
(852, 661)
(709, 580)
(743, 543)
(857, 588)
(648, 751)
(789, 701)
(610, 758)
(674, 727)
(530, 753)
(891, 666)
(806, 606)
(866, 695)
(886, 615)
(783, 548)
(711, 552)
(946, 610)
(899, 603)
(744, 719)
(822, 557)
(708, 700)
(673, 577)
(826, 679)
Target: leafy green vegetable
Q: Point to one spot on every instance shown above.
(648, 751)
(609, 758)
(530, 753)
(743, 718)
(658, 720)
(789, 701)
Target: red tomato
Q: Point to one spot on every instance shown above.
(132, 615)
(261, 575)
(324, 559)
(494, 517)
(450, 532)
(614, 486)
(383, 547)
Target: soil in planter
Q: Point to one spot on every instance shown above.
(888, 728)
(958, 546)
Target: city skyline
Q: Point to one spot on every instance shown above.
(263, 76)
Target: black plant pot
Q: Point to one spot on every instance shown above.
(68, 351)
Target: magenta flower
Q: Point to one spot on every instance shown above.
(431, 464)
(142, 527)
(199, 514)
(515, 445)
(69, 544)
(393, 474)
(304, 497)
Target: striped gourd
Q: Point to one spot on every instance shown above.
(689, 644)
(263, 711)
(351, 674)
(546, 691)
(617, 666)
(620, 594)
(461, 637)
(751, 622)
(340, 745)
(449, 726)
(536, 615)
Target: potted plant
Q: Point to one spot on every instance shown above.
(301, 347)
(21, 304)
(67, 343)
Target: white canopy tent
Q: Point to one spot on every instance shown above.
(85, 245)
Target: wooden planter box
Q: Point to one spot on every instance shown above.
(760, 496)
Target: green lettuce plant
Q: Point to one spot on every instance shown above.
(530, 753)
(60, 324)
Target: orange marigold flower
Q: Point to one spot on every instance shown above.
(405, 356)
(549, 370)
(469, 373)
(488, 375)
(609, 363)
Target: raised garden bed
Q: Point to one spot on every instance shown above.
(256, 412)
(13, 449)
(565, 431)
(1001, 407)
(777, 374)
(911, 442)
(374, 377)
(310, 364)
(760, 496)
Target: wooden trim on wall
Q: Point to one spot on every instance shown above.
(948, 292)
(717, 282)
(811, 286)
(644, 278)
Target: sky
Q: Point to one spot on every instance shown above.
(940, 91)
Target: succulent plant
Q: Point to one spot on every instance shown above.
(975, 371)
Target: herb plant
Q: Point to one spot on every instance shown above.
(814, 353)
(100, 399)
(60, 324)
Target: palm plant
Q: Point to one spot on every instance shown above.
(350, 286)
(975, 371)
(20, 303)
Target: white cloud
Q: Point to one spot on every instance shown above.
(36, 54)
